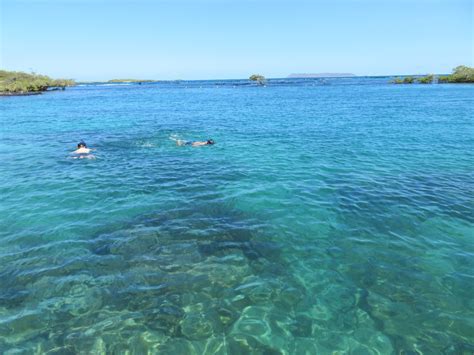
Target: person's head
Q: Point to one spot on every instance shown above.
(81, 144)
(210, 141)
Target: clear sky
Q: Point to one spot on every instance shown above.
(207, 39)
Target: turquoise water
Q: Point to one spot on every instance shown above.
(331, 217)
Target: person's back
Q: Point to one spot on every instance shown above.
(82, 151)
(196, 143)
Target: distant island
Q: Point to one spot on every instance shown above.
(13, 83)
(139, 81)
(319, 75)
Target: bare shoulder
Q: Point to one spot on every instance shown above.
(82, 151)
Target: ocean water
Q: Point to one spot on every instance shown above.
(331, 217)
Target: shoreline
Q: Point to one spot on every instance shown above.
(415, 81)
(8, 94)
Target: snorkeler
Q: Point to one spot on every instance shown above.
(195, 143)
(82, 151)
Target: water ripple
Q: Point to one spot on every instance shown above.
(327, 218)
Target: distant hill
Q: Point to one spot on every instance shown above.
(320, 75)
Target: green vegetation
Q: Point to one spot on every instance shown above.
(405, 80)
(461, 74)
(19, 83)
(130, 81)
(428, 79)
(260, 79)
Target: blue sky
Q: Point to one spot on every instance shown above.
(207, 39)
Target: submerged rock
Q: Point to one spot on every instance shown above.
(247, 344)
(197, 326)
(166, 319)
(289, 297)
(257, 291)
(226, 316)
(176, 346)
(302, 326)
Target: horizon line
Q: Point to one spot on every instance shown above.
(269, 78)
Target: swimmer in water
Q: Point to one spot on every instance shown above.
(196, 143)
(82, 151)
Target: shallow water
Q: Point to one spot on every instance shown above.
(331, 215)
